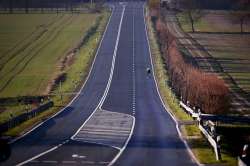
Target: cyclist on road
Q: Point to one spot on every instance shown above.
(148, 70)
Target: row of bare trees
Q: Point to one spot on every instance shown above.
(241, 12)
(43, 5)
(201, 90)
(194, 10)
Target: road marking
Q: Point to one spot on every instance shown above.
(133, 126)
(155, 82)
(39, 155)
(121, 130)
(68, 162)
(125, 145)
(103, 162)
(133, 66)
(77, 94)
(105, 94)
(107, 128)
(35, 161)
(110, 76)
(71, 162)
(114, 58)
(49, 162)
(78, 156)
(98, 143)
(87, 162)
(50, 150)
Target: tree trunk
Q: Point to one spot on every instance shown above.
(192, 23)
(10, 6)
(241, 25)
(191, 20)
(27, 6)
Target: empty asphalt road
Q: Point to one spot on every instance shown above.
(118, 117)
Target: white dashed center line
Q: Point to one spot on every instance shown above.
(49, 162)
(68, 162)
(133, 68)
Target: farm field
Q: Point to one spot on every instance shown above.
(212, 21)
(31, 47)
(219, 34)
(36, 49)
(232, 52)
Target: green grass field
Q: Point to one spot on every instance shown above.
(31, 46)
(46, 40)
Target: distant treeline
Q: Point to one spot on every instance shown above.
(218, 4)
(40, 3)
(211, 4)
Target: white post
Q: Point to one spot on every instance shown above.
(244, 153)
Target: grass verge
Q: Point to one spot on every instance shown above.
(199, 146)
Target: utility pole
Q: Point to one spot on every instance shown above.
(60, 90)
(10, 6)
(26, 6)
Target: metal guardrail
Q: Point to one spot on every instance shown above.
(210, 135)
(226, 118)
(189, 110)
(212, 140)
(241, 162)
(216, 118)
(208, 128)
(23, 117)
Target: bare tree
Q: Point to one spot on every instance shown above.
(241, 12)
(26, 6)
(192, 10)
(200, 89)
(10, 6)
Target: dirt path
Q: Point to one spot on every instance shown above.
(205, 61)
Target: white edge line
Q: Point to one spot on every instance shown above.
(54, 148)
(78, 93)
(113, 61)
(41, 154)
(33, 158)
(98, 143)
(125, 145)
(176, 122)
(105, 95)
(109, 81)
(132, 128)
